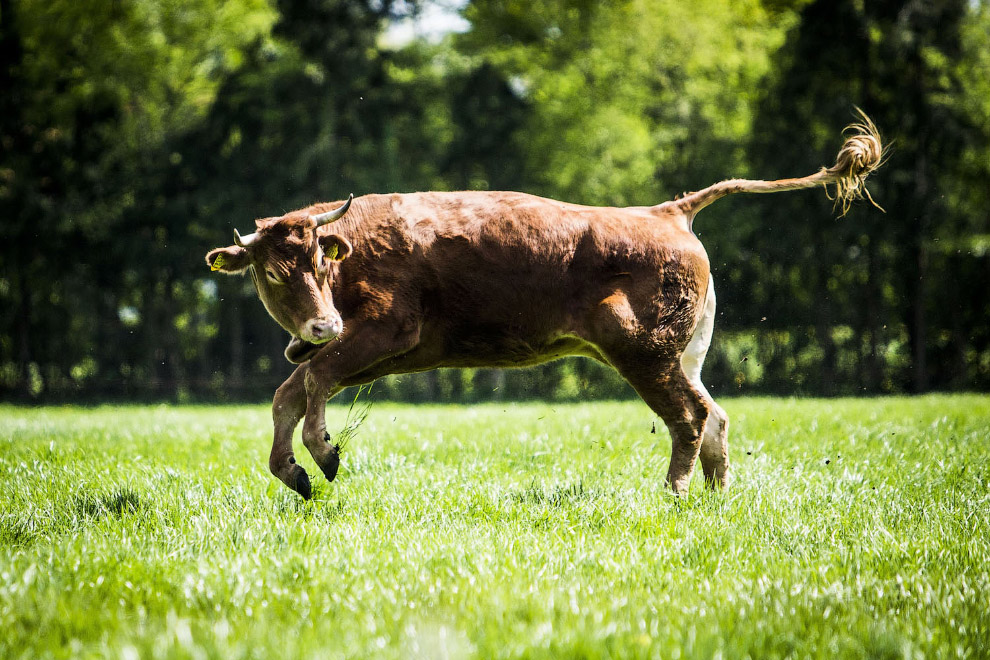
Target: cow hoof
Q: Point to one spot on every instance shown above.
(302, 485)
(332, 464)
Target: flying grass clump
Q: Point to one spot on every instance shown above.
(356, 415)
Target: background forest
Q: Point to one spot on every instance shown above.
(134, 136)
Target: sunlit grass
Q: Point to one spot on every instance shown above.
(854, 528)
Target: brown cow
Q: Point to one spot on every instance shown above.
(407, 283)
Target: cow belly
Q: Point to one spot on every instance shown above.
(500, 350)
(475, 350)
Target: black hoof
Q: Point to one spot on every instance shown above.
(303, 486)
(332, 464)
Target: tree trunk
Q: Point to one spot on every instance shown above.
(823, 330)
(874, 312)
(918, 321)
(23, 333)
(919, 324)
(498, 384)
(235, 383)
(432, 385)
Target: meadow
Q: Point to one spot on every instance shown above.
(855, 528)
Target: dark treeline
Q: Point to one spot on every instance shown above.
(134, 136)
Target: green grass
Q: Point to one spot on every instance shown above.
(854, 528)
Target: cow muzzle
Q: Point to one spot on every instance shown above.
(319, 331)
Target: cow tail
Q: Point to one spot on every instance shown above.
(861, 154)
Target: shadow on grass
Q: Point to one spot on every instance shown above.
(554, 497)
(15, 532)
(117, 503)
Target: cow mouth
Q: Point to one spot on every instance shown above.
(300, 350)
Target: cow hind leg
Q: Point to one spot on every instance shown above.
(646, 361)
(661, 383)
(715, 446)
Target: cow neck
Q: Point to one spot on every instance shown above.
(345, 226)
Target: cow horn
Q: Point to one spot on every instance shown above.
(330, 216)
(244, 241)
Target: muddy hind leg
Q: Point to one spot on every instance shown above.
(715, 443)
(715, 448)
(664, 387)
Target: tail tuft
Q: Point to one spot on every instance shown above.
(861, 154)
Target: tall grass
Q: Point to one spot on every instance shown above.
(854, 528)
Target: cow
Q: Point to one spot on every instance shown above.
(400, 283)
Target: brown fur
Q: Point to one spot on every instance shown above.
(489, 279)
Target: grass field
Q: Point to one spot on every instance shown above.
(854, 528)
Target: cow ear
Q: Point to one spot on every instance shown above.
(230, 260)
(336, 247)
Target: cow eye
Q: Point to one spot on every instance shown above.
(272, 277)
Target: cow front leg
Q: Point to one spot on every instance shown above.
(364, 351)
(314, 433)
(288, 408)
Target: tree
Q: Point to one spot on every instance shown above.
(900, 63)
(90, 95)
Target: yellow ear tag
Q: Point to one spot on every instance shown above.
(217, 263)
(332, 252)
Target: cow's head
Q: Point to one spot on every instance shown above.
(293, 266)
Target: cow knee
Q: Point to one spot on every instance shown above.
(326, 455)
(289, 401)
(697, 414)
(684, 428)
(717, 424)
(715, 450)
(278, 464)
(685, 408)
(714, 447)
(313, 436)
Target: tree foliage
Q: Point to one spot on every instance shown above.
(136, 135)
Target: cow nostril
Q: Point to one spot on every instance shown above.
(324, 329)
